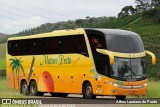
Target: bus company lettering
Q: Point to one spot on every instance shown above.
(60, 60)
(64, 60)
(50, 60)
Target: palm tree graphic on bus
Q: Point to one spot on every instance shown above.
(16, 67)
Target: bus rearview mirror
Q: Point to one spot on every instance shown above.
(152, 55)
(106, 52)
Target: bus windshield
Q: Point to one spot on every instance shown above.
(125, 43)
(128, 69)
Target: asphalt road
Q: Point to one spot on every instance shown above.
(77, 101)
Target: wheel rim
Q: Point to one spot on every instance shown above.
(24, 88)
(88, 90)
(33, 88)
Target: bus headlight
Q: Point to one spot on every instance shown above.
(145, 84)
(115, 85)
(111, 83)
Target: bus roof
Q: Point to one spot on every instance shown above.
(76, 31)
(49, 34)
(112, 31)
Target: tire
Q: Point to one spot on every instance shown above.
(24, 88)
(120, 97)
(88, 91)
(33, 88)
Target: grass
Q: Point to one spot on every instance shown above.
(153, 89)
(2, 56)
(3, 51)
(6, 92)
(2, 64)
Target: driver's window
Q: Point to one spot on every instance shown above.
(97, 41)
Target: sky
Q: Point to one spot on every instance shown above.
(18, 15)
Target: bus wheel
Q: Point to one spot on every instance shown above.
(24, 88)
(120, 97)
(33, 88)
(88, 91)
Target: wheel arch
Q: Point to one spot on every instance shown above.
(93, 84)
(84, 83)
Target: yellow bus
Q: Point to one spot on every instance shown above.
(92, 62)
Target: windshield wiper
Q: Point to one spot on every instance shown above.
(132, 72)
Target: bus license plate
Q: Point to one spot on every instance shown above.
(131, 92)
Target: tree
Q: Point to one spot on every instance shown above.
(87, 17)
(126, 11)
(155, 3)
(143, 5)
(17, 67)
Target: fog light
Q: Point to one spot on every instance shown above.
(113, 91)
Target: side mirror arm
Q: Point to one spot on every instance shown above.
(152, 55)
(106, 52)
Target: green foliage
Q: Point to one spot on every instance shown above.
(155, 3)
(2, 64)
(127, 11)
(155, 12)
(143, 5)
(2, 51)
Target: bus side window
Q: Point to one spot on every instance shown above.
(29, 46)
(11, 47)
(49, 45)
(15, 48)
(74, 44)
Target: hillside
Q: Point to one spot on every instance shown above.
(3, 35)
(3, 38)
(147, 27)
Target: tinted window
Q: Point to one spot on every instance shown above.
(48, 45)
(74, 44)
(125, 43)
(97, 41)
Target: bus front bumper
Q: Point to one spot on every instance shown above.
(125, 90)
